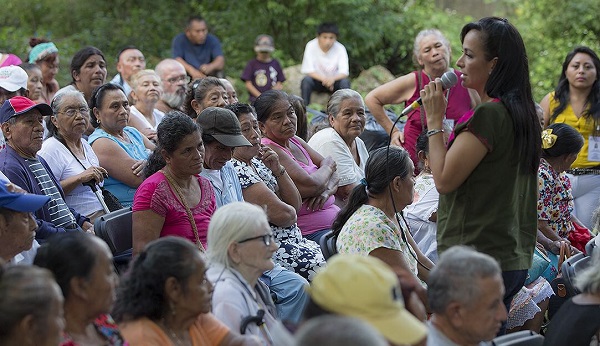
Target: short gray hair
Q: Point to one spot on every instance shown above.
(588, 281)
(56, 104)
(453, 278)
(57, 100)
(424, 33)
(230, 224)
(333, 105)
(327, 330)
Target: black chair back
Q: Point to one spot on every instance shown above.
(327, 243)
(115, 229)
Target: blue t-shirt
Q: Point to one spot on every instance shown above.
(136, 149)
(196, 54)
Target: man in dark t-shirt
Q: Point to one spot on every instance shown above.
(198, 51)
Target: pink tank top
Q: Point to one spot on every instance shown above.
(459, 102)
(310, 221)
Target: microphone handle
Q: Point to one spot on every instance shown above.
(416, 104)
(449, 79)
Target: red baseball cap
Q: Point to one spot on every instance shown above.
(19, 105)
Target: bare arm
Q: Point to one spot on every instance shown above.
(278, 212)
(146, 227)
(92, 173)
(309, 185)
(395, 92)
(408, 280)
(117, 162)
(278, 86)
(251, 89)
(450, 168)
(545, 104)
(191, 70)
(216, 65)
(422, 259)
(286, 189)
(149, 145)
(547, 231)
(136, 122)
(548, 244)
(343, 192)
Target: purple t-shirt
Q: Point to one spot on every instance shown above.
(196, 54)
(263, 75)
(156, 194)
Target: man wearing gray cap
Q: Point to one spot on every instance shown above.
(221, 132)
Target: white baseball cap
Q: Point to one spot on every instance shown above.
(13, 78)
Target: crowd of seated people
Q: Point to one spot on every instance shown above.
(231, 205)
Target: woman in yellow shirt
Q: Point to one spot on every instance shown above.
(576, 102)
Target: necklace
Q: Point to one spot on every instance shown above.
(179, 193)
(172, 335)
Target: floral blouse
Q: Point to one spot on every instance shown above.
(368, 229)
(295, 252)
(106, 327)
(555, 202)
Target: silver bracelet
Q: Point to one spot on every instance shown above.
(433, 132)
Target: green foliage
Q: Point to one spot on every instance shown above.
(550, 29)
(375, 32)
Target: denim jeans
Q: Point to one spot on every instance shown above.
(287, 290)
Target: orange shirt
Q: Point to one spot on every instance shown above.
(205, 331)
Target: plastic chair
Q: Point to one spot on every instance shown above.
(327, 243)
(115, 229)
(571, 268)
(522, 338)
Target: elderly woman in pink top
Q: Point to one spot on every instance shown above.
(314, 176)
(174, 199)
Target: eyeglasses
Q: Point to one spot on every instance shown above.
(72, 111)
(267, 239)
(174, 80)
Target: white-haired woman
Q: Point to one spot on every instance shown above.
(146, 90)
(432, 53)
(346, 115)
(240, 247)
(70, 157)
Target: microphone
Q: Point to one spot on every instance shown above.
(449, 79)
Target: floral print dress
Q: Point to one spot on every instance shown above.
(106, 327)
(555, 202)
(368, 229)
(295, 252)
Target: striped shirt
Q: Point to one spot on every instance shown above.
(60, 215)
